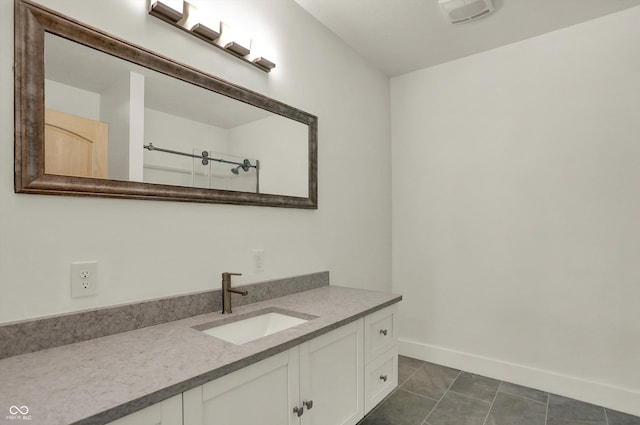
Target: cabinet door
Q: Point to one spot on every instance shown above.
(168, 412)
(331, 376)
(262, 393)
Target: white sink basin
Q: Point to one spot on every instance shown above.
(252, 328)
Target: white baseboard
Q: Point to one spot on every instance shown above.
(616, 398)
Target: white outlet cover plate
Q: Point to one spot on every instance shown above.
(84, 279)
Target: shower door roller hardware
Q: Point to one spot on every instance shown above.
(383, 332)
(308, 404)
(298, 410)
(383, 378)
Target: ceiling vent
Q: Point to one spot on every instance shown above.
(460, 11)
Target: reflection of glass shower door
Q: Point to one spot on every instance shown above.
(201, 173)
(228, 174)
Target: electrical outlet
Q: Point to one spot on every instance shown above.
(84, 279)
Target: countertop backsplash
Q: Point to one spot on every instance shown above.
(54, 331)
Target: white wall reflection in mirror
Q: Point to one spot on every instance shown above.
(141, 107)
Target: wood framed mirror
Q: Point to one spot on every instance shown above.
(186, 135)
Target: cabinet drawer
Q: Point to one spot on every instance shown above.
(380, 332)
(381, 377)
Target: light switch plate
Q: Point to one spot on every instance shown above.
(258, 260)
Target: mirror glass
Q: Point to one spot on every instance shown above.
(112, 119)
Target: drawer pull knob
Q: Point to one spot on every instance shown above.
(298, 410)
(308, 404)
(383, 332)
(383, 378)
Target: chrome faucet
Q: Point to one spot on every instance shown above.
(227, 289)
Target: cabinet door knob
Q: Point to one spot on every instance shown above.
(383, 378)
(298, 410)
(383, 332)
(308, 404)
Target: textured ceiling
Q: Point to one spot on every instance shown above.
(400, 36)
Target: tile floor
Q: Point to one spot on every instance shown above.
(430, 394)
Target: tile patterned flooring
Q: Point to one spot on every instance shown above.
(430, 394)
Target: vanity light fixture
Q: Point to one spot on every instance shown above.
(171, 10)
(264, 63)
(212, 31)
(261, 56)
(202, 24)
(235, 41)
(237, 48)
(204, 31)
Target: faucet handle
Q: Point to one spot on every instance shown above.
(232, 274)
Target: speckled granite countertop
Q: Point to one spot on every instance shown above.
(100, 380)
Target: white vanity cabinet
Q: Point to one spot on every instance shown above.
(319, 382)
(168, 412)
(334, 379)
(381, 355)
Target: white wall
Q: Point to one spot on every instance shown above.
(72, 100)
(149, 249)
(515, 211)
